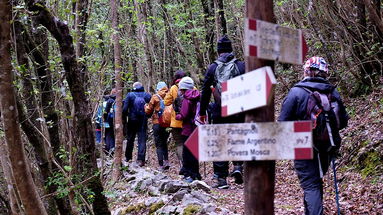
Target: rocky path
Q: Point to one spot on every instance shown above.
(149, 191)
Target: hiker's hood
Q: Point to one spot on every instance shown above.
(226, 57)
(192, 95)
(317, 84)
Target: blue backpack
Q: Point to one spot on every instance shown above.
(138, 110)
(162, 106)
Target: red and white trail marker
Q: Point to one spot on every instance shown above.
(252, 141)
(248, 91)
(270, 41)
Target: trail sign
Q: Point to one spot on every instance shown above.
(252, 141)
(270, 41)
(248, 91)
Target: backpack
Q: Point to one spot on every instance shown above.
(323, 110)
(106, 122)
(177, 104)
(164, 114)
(224, 72)
(138, 107)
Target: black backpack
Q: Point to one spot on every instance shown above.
(323, 110)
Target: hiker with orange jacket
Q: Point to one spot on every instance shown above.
(176, 125)
(155, 108)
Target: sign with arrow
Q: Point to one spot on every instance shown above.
(270, 41)
(248, 91)
(252, 141)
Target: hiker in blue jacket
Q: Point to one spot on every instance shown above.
(294, 107)
(216, 73)
(134, 109)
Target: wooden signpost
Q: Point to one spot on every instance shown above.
(270, 41)
(248, 91)
(252, 141)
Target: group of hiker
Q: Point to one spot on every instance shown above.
(183, 107)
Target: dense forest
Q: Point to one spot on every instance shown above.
(58, 59)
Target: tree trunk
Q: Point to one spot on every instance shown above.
(220, 18)
(29, 121)
(197, 46)
(143, 38)
(83, 117)
(80, 26)
(23, 177)
(12, 193)
(118, 117)
(209, 28)
(169, 44)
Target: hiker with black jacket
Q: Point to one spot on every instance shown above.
(134, 109)
(300, 104)
(224, 68)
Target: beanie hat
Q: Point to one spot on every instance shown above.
(161, 85)
(186, 83)
(137, 85)
(224, 45)
(178, 75)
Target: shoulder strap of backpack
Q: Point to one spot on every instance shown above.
(307, 89)
(159, 97)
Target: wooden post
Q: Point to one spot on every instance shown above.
(259, 175)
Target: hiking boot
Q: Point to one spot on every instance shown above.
(140, 163)
(166, 165)
(221, 183)
(237, 174)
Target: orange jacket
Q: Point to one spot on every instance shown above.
(153, 106)
(169, 99)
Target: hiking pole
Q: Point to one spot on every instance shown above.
(335, 185)
(333, 163)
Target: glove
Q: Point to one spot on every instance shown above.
(202, 119)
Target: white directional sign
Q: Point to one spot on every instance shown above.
(248, 91)
(252, 141)
(270, 41)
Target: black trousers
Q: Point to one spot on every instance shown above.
(138, 128)
(221, 169)
(109, 139)
(161, 140)
(312, 184)
(190, 164)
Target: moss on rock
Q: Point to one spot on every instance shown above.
(191, 209)
(154, 207)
